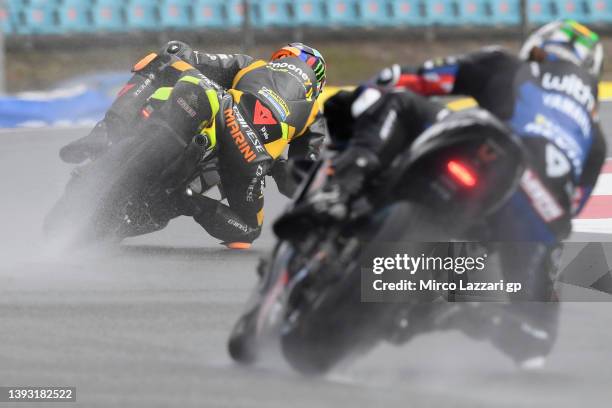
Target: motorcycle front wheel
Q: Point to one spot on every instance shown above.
(90, 209)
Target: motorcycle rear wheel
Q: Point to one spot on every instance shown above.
(342, 325)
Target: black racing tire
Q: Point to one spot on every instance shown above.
(87, 211)
(243, 344)
(342, 325)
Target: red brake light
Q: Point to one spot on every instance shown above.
(461, 173)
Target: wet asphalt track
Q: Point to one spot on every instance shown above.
(145, 324)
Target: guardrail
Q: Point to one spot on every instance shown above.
(44, 17)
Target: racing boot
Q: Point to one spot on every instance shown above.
(222, 223)
(525, 332)
(525, 336)
(89, 147)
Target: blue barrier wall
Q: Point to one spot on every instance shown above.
(33, 17)
(82, 101)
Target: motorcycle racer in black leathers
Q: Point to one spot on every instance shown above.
(548, 97)
(153, 73)
(259, 109)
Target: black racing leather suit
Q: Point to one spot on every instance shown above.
(125, 111)
(552, 106)
(297, 124)
(266, 109)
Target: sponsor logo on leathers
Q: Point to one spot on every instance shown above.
(239, 139)
(144, 85)
(571, 109)
(183, 104)
(543, 201)
(263, 115)
(238, 225)
(245, 139)
(294, 71)
(250, 133)
(277, 102)
(570, 85)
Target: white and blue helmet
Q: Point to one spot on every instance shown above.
(569, 41)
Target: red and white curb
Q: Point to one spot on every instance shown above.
(597, 214)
